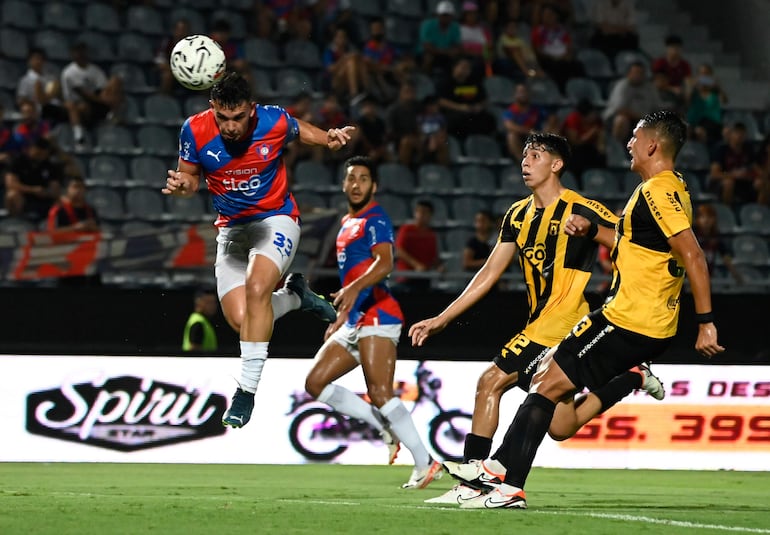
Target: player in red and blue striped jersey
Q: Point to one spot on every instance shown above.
(237, 145)
(368, 325)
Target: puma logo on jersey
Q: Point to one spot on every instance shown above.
(214, 155)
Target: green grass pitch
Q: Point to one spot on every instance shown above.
(319, 499)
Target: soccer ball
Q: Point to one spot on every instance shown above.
(197, 61)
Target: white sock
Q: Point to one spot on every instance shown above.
(505, 488)
(403, 426)
(346, 402)
(253, 356)
(494, 466)
(284, 301)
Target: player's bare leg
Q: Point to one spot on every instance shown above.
(491, 385)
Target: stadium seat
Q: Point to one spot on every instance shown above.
(624, 58)
(134, 80)
(100, 47)
(726, 220)
(191, 14)
(262, 53)
(61, 16)
(135, 47)
(455, 149)
(433, 178)
(477, 179)
(102, 17)
(10, 72)
(424, 85)
(750, 249)
(755, 218)
(307, 199)
(313, 175)
(291, 82)
(395, 177)
(20, 15)
(146, 204)
(130, 113)
(600, 183)
(56, 44)
(236, 20)
(13, 43)
(13, 225)
(405, 8)
(401, 32)
(464, 209)
(694, 155)
(263, 84)
(148, 171)
(302, 54)
(395, 206)
(545, 92)
(630, 182)
(482, 147)
(512, 183)
(499, 89)
(144, 19)
(107, 170)
(617, 154)
(569, 181)
(114, 139)
(366, 8)
(157, 140)
(753, 279)
(584, 88)
(107, 202)
(195, 104)
(188, 209)
(501, 205)
(730, 117)
(595, 63)
(455, 239)
(162, 109)
(136, 227)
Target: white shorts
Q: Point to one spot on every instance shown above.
(276, 237)
(348, 336)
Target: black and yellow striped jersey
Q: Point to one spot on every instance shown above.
(556, 266)
(648, 277)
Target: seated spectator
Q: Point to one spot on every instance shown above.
(31, 127)
(434, 146)
(706, 229)
(554, 48)
(632, 98)
(167, 84)
(762, 172)
(331, 115)
(371, 132)
(88, 94)
(479, 246)
(41, 85)
(731, 177)
(402, 126)
(345, 71)
(704, 112)
(463, 101)
(584, 130)
(514, 55)
(32, 182)
(476, 39)
(221, 32)
(522, 117)
(8, 146)
(72, 212)
(669, 99)
(675, 69)
(300, 108)
(417, 248)
(439, 41)
(614, 24)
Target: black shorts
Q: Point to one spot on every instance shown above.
(595, 351)
(521, 356)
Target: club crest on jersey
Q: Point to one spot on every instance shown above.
(264, 150)
(553, 227)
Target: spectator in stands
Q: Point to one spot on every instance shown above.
(222, 32)
(704, 112)
(345, 71)
(8, 148)
(614, 25)
(706, 229)
(463, 101)
(675, 69)
(731, 176)
(669, 99)
(479, 246)
(89, 95)
(584, 129)
(371, 131)
(440, 41)
(72, 212)
(434, 144)
(632, 98)
(553, 45)
(199, 333)
(41, 85)
(762, 172)
(31, 127)
(300, 108)
(402, 126)
(331, 115)
(417, 247)
(522, 117)
(180, 30)
(32, 181)
(385, 67)
(514, 55)
(476, 38)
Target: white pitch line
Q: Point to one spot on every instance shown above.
(588, 514)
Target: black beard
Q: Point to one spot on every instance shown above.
(357, 206)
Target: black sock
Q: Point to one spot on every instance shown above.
(524, 436)
(618, 388)
(476, 447)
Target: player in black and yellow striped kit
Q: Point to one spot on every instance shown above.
(556, 268)
(654, 248)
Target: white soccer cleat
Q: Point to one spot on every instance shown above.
(496, 499)
(422, 478)
(650, 383)
(474, 474)
(393, 444)
(458, 494)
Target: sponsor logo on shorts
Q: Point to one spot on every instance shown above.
(592, 343)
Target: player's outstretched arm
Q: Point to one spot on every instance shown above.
(333, 139)
(477, 288)
(685, 245)
(579, 226)
(184, 181)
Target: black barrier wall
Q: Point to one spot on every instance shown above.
(97, 321)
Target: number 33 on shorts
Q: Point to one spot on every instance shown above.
(283, 244)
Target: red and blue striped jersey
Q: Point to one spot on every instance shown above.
(359, 234)
(246, 179)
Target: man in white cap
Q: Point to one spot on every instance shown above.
(440, 42)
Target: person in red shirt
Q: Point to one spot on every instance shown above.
(417, 247)
(677, 69)
(584, 130)
(72, 212)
